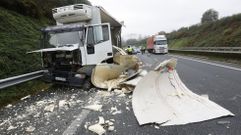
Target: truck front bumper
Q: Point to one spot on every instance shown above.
(160, 50)
(65, 78)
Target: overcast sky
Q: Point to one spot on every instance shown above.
(147, 17)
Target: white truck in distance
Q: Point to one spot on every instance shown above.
(157, 44)
(83, 37)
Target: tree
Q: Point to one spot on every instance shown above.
(210, 15)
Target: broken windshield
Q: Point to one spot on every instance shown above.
(63, 39)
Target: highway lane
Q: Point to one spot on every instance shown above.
(222, 85)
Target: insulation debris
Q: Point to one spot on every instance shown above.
(106, 76)
(9, 106)
(97, 128)
(25, 97)
(104, 93)
(5, 121)
(161, 97)
(63, 104)
(49, 108)
(101, 120)
(94, 107)
(110, 76)
(11, 128)
(157, 127)
(114, 111)
(30, 129)
(111, 128)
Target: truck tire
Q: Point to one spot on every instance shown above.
(87, 84)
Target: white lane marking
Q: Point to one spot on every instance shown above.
(73, 127)
(206, 62)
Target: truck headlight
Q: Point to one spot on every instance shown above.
(81, 76)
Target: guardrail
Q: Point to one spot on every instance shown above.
(211, 49)
(7, 82)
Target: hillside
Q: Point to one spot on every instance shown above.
(20, 25)
(224, 32)
(18, 35)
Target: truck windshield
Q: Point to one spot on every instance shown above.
(161, 42)
(63, 39)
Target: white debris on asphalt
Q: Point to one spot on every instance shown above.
(41, 103)
(104, 93)
(111, 128)
(9, 106)
(118, 91)
(127, 108)
(85, 126)
(30, 129)
(97, 128)
(11, 128)
(49, 108)
(31, 109)
(37, 115)
(94, 107)
(71, 103)
(112, 120)
(101, 120)
(155, 126)
(109, 123)
(63, 104)
(20, 117)
(114, 111)
(25, 97)
(79, 101)
(5, 121)
(121, 95)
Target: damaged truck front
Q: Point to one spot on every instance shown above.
(83, 37)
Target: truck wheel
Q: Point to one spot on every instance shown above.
(87, 84)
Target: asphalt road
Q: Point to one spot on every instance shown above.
(220, 83)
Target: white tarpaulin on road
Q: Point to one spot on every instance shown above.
(161, 97)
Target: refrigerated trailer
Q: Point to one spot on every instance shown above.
(83, 37)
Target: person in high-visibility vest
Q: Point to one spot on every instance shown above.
(129, 50)
(143, 49)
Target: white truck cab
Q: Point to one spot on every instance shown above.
(83, 37)
(160, 44)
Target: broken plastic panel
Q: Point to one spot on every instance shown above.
(161, 97)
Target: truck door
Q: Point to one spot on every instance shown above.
(98, 45)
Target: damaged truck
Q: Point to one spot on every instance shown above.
(83, 37)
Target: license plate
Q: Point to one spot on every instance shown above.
(60, 79)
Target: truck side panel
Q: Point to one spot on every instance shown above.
(150, 44)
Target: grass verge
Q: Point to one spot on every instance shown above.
(15, 93)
